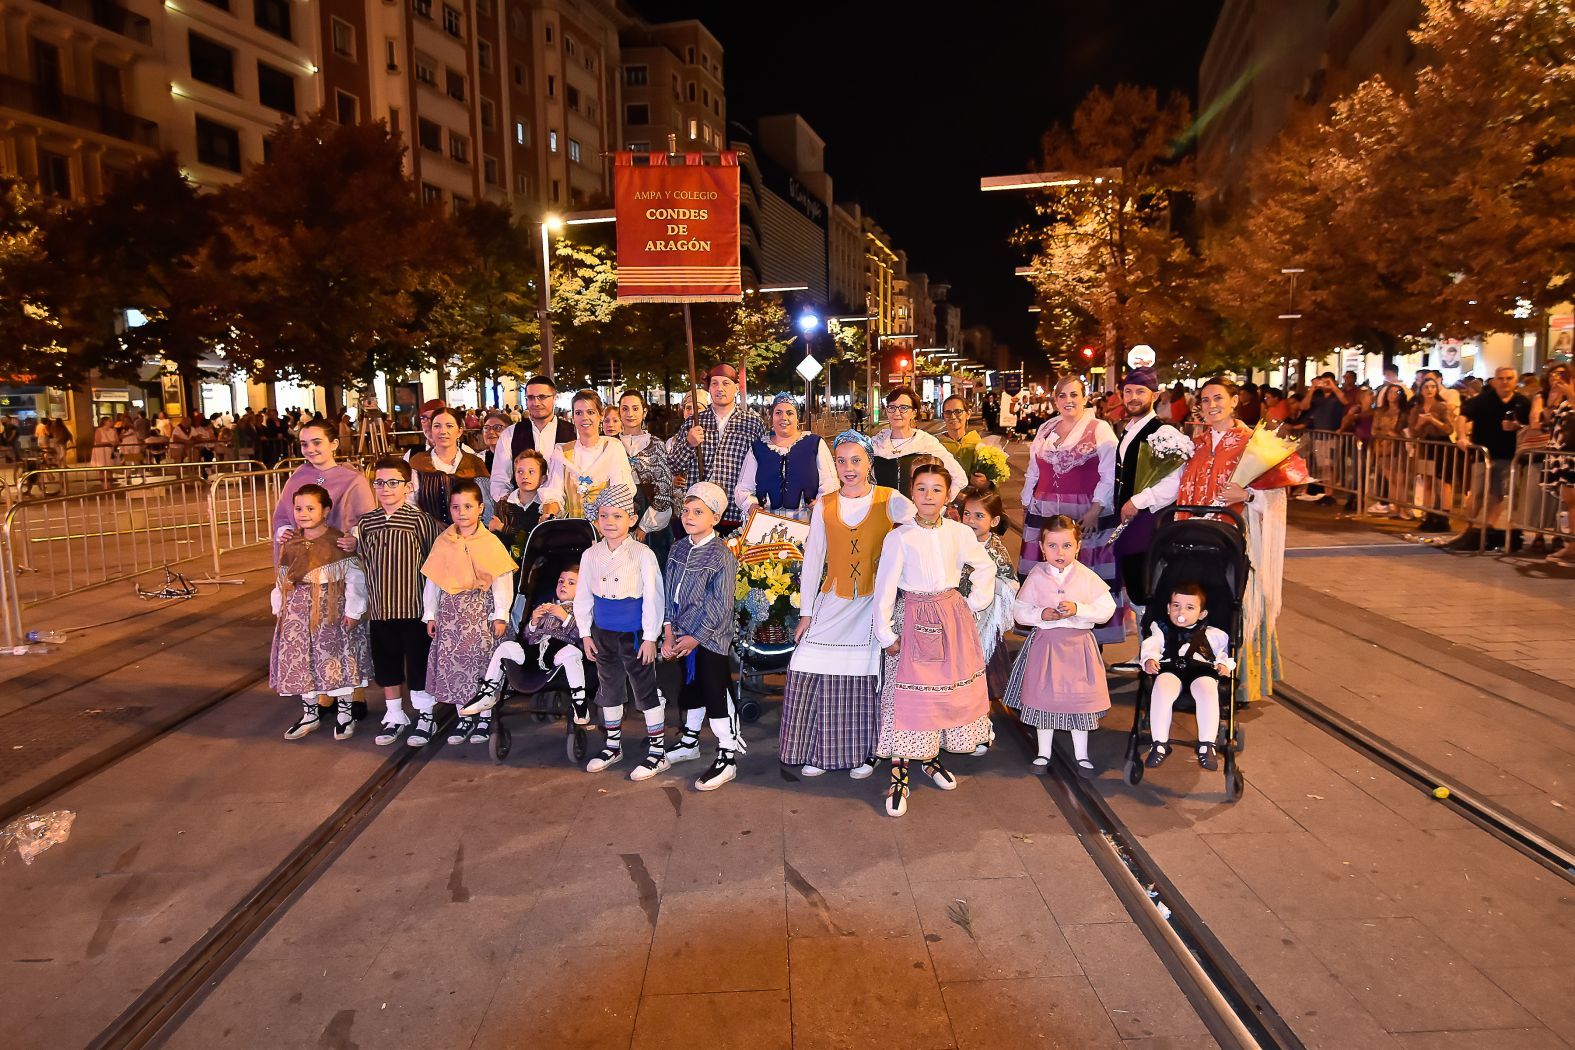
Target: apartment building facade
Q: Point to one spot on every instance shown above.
(672, 87)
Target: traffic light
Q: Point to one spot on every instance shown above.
(1088, 353)
(902, 364)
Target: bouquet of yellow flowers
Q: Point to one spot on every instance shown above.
(767, 590)
(991, 462)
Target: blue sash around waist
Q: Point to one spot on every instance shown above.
(617, 614)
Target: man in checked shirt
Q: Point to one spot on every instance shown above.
(723, 434)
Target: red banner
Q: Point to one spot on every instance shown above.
(677, 229)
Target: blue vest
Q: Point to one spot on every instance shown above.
(787, 480)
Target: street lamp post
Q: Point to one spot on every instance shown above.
(550, 224)
(808, 324)
(1290, 318)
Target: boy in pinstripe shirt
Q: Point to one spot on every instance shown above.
(698, 629)
(393, 541)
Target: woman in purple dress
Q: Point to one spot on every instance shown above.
(1072, 471)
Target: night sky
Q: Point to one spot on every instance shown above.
(957, 100)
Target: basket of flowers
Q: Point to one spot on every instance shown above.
(770, 555)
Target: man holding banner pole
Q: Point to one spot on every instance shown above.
(717, 440)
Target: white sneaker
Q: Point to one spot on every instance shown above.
(725, 768)
(897, 794)
(649, 767)
(1380, 508)
(812, 771)
(684, 752)
(863, 769)
(606, 757)
(309, 722)
(426, 729)
(940, 775)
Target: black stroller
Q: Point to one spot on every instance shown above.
(553, 546)
(1212, 553)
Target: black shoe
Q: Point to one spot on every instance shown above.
(425, 730)
(462, 730)
(483, 731)
(1207, 757)
(1157, 755)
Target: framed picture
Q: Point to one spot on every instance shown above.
(765, 527)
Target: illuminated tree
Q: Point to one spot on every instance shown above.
(1110, 256)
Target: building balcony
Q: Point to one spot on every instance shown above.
(106, 14)
(86, 114)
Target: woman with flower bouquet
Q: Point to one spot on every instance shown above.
(830, 710)
(1247, 471)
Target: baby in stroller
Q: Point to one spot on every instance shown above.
(550, 639)
(1181, 652)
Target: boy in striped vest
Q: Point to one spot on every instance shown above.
(393, 542)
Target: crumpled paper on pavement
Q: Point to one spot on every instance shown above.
(35, 833)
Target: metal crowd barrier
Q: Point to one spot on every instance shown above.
(67, 481)
(1535, 500)
(240, 510)
(1335, 460)
(1434, 477)
(50, 548)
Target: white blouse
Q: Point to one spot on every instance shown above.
(1046, 587)
(1091, 428)
(605, 463)
(916, 558)
(853, 510)
(631, 571)
(744, 491)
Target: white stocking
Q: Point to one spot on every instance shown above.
(1161, 700)
(1206, 695)
(1046, 741)
(505, 651)
(655, 719)
(612, 716)
(573, 663)
(694, 718)
(1080, 744)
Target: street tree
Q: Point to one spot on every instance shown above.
(1110, 251)
(34, 346)
(484, 318)
(340, 262)
(149, 245)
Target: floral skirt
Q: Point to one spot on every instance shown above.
(332, 659)
(462, 646)
(925, 744)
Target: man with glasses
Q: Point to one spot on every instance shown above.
(541, 430)
(722, 436)
(901, 444)
(956, 438)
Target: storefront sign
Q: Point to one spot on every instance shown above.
(677, 229)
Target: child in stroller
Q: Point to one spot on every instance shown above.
(1192, 591)
(1183, 654)
(546, 660)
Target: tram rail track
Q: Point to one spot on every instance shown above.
(181, 987)
(1232, 1007)
(1514, 831)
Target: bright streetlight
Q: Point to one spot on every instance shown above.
(808, 322)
